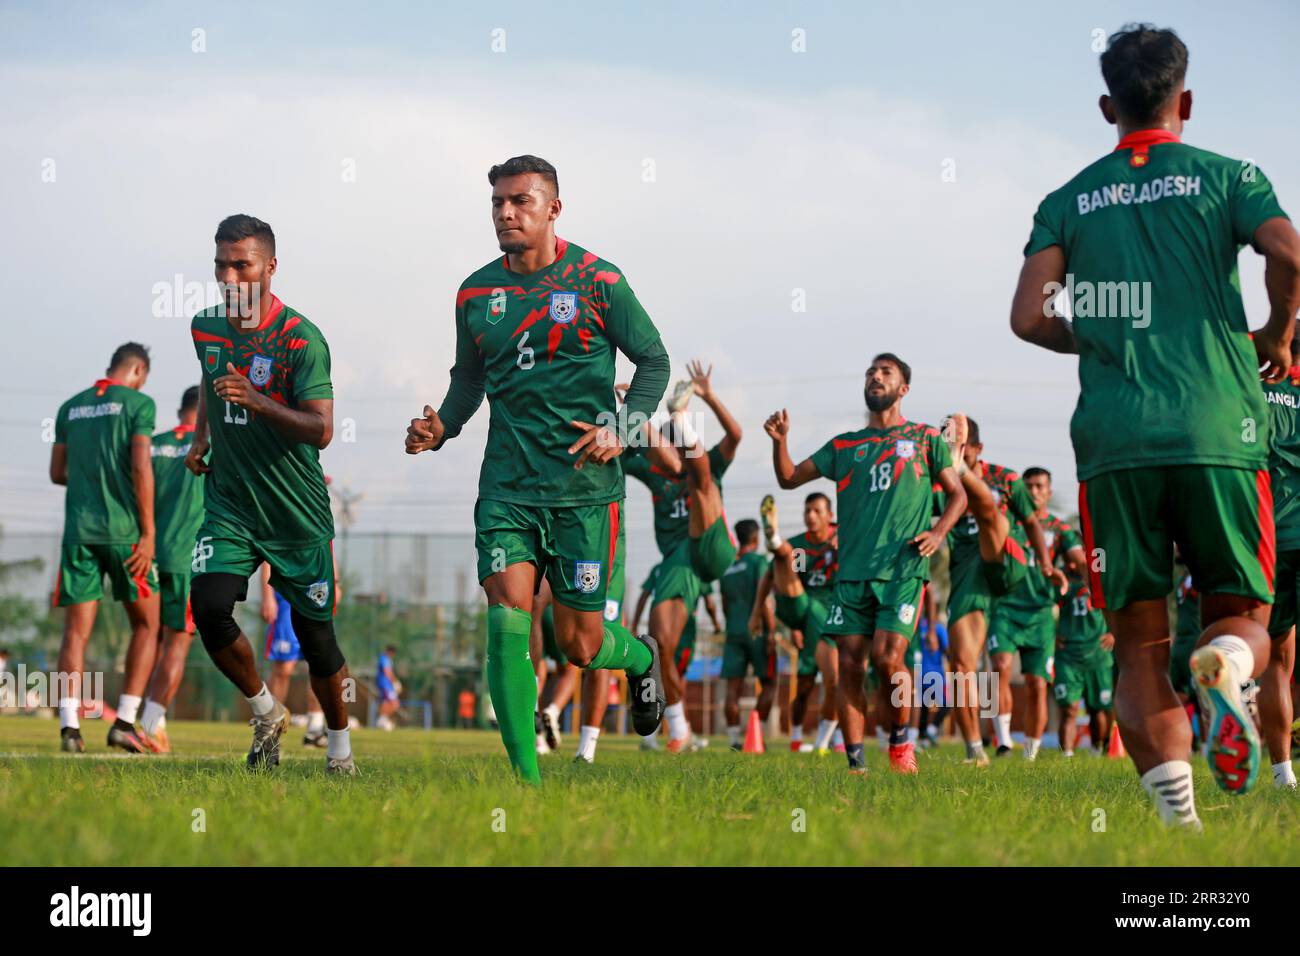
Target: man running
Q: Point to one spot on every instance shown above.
(536, 331)
(802, 575)
(1084, 666)
(266, 411)
(1024, 621)
(1171, 430)
(690, 528)
(744, 650)
(885, 475)
(102, 455)
(178, 512)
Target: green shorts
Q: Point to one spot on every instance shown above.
(864, 607)
(1029, 633)
(304, 576)
(974, 584)
(1220, 517)
(677, 578)
(1090, 680)
(807, 614)
(574, 547)
(685, 645)
(713, 552)
(175, 588)
(1286, 588)
(82, 568)
(741, 653)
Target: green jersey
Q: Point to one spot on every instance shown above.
(264, 486)
(1284, 458)
(884, 483)
(177, 499)
(819, 564)
(739, 586)
(669, 495)
(542, 348)
(1080, 626)
(1012, 497)
(1036, 592)
(1167, 371)
(96, 426)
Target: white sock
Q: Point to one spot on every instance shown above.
(1170, 786)
(774, 542)
(1031, 747)
(69, 713)
(1067, 753)
(554, 712)
(1283, 775)
(262, 703)
(315, 721)
(162, 722)
(1238, 652)
(796, 734)
(734, 734)
(339, 744)
(973, 750)
(837, 738)
(1003, 726)
(587, 742)
(684, 431)
(154, 712)
(913, 734)
(678, 728)
(824, 730)
(128, 707)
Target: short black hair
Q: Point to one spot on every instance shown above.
(190, 399)
(972, 431)
(125, 353)
(746, 530)
(391, 648)
(816, 495)
(516, 165)
(1034, 472)
(240, 226)
(1143, 66)
(902, 366)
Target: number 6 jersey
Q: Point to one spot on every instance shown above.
(262, 485)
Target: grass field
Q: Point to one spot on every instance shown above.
(431, 798)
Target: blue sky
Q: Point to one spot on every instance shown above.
(774, 171)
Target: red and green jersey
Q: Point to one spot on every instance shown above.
(177, 499)
(816, 562)
(739, 587)
(262, 485)
(1036, 592)
(542, 347)
(668, 493)
(1080, 626)
(884, 482)
(1167, 371)
(1012, 497)
(1284, 457)
(97, 426)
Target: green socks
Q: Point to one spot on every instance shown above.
(621, 651)
(513, 686)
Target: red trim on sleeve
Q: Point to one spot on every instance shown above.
(1266, 551)
(1085, 525)
(209, 337)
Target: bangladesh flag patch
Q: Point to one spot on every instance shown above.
(212, 358)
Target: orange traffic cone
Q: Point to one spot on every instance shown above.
(1116, 750)
(754, 734)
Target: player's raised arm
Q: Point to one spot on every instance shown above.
(1032, 316)
(701, 379)
(788, 475)
(1279, 243)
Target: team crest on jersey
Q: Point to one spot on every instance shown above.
(497, 306)
(906, 612)
(564, 307)
(586, 576)
(861, 453)
(259, 373)
(611, 609)
(318, 593)
(906, 448)
(212, 358)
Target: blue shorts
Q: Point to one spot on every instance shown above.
(386, 692)
(281, 641)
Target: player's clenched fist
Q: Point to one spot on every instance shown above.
(777, 425)
(234, 388)
(424, 433)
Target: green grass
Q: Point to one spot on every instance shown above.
(431, 798)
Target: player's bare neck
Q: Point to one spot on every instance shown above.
(533, 260)
(889, 418)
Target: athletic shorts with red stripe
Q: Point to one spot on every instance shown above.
(83, 567)
(1221, 519)
(575, 547)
